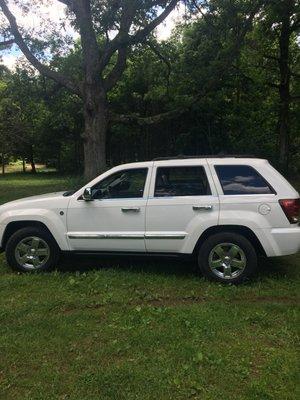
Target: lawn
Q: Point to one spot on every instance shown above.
(134, 329)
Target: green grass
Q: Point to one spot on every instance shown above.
(17, 167)
(18, 185)
(120, 329)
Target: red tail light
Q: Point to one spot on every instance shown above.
(291, 208)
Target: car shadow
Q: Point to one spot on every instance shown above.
(267, 267)
(137, 264)
(275, 268)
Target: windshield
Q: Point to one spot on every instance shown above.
(70, 192)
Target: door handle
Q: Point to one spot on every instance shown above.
(130, 209)
(207, 207)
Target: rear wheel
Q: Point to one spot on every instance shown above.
(227, 257)
(32, 249)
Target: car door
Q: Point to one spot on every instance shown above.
(182, 204)
(115, 219)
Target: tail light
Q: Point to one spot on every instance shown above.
(291, 208)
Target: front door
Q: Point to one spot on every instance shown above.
(115, 219)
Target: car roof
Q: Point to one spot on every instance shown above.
(187, 160)
(204, 156)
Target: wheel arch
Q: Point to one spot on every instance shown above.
(14, 226)
(239, 229)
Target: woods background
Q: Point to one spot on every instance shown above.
(226, 80)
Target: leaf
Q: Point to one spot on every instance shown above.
(199, 356)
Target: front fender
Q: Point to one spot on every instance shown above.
(55, 222)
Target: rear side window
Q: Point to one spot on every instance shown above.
(181, 181)
(242, 179)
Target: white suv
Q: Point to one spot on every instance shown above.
(226, 211)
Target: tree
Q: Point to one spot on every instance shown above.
(26, 119)
(104, 60)
(212, 87)
(277, 47)
(289, 24)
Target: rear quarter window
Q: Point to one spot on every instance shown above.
(242, 179)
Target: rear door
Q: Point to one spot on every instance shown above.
(182, 204)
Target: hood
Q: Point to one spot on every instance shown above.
(33, 199)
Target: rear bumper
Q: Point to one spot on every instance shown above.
(281, 241)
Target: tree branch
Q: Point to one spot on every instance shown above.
(295, 26)
(117, 71)
(42, 68)
(163, 59)
(295, 74)
(204, 16)
(7, 43)
(293, 99)
(143, 33)
(90, 47)
(123, 39)
(249, 20)
(66, 2)
(273, 85)
(270, 57)
(128, 12)
(155, 119)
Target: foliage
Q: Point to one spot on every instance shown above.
(217, 75)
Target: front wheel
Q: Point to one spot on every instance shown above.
(227, 257)
(32, 249)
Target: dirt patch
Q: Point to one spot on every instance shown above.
(179, 301)
(169, 302)
(269, 299)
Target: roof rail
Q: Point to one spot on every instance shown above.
(182, 157)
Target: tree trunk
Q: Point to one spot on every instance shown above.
(96, 125)
(24, 164)
(3, 163)
(32, 163)
(78, 154)
(284, 88)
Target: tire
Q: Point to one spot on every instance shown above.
(32, 249)
(227, 257)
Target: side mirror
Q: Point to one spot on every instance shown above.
(87, 194)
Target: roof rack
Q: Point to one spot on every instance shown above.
(182, 157)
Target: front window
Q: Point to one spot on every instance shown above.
(124, 184)
(242, 179)
(181, 181)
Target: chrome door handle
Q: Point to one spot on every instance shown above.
(207, 207)
(130, 209)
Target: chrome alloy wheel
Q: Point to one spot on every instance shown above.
(32, 253)
(227, 260)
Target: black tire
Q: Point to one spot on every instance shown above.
(48, 261)
(247, 257)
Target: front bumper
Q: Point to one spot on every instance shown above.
(2, 229)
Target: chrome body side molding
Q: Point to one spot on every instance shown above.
(165, 235)
(95, 235)
(127, 235)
